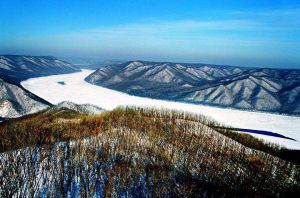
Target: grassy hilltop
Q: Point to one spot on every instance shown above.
(135, 151)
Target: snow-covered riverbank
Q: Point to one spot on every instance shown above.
(75, 89)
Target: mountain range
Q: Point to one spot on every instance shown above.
(16, 68)
(259, 89)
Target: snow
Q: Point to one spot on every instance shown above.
(4, 64)
(31, 59)
(79, 91)
(5, 108)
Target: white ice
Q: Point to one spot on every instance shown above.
(81, 92)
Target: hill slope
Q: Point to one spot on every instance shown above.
(16, 68)
(16, 102)
(262, 89)
(133, 151)
(80, 108)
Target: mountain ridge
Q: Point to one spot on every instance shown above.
(80, 108)
(259, 89)
(16, 68)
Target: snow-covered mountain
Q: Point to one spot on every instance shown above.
(16, 102)
(80, 108)
(16, 68)
(262, 89)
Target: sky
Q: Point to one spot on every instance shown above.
(262, 33)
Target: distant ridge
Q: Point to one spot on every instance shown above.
(259, 89)
(16, 68)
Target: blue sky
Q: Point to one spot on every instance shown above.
(251, 33)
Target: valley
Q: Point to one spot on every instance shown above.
(149, 99)
(77, 90)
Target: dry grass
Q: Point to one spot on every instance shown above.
(140, 152)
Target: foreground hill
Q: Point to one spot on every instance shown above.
(16, 68)
(135, 152)
(262, 89)
(16, 102)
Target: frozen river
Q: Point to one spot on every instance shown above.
(72, 87)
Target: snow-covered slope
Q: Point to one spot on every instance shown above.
(79, 91)
(15, 68)
(271, 90)
(82, 108)
(16, 102)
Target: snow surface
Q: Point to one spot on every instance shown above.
(79, 91)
